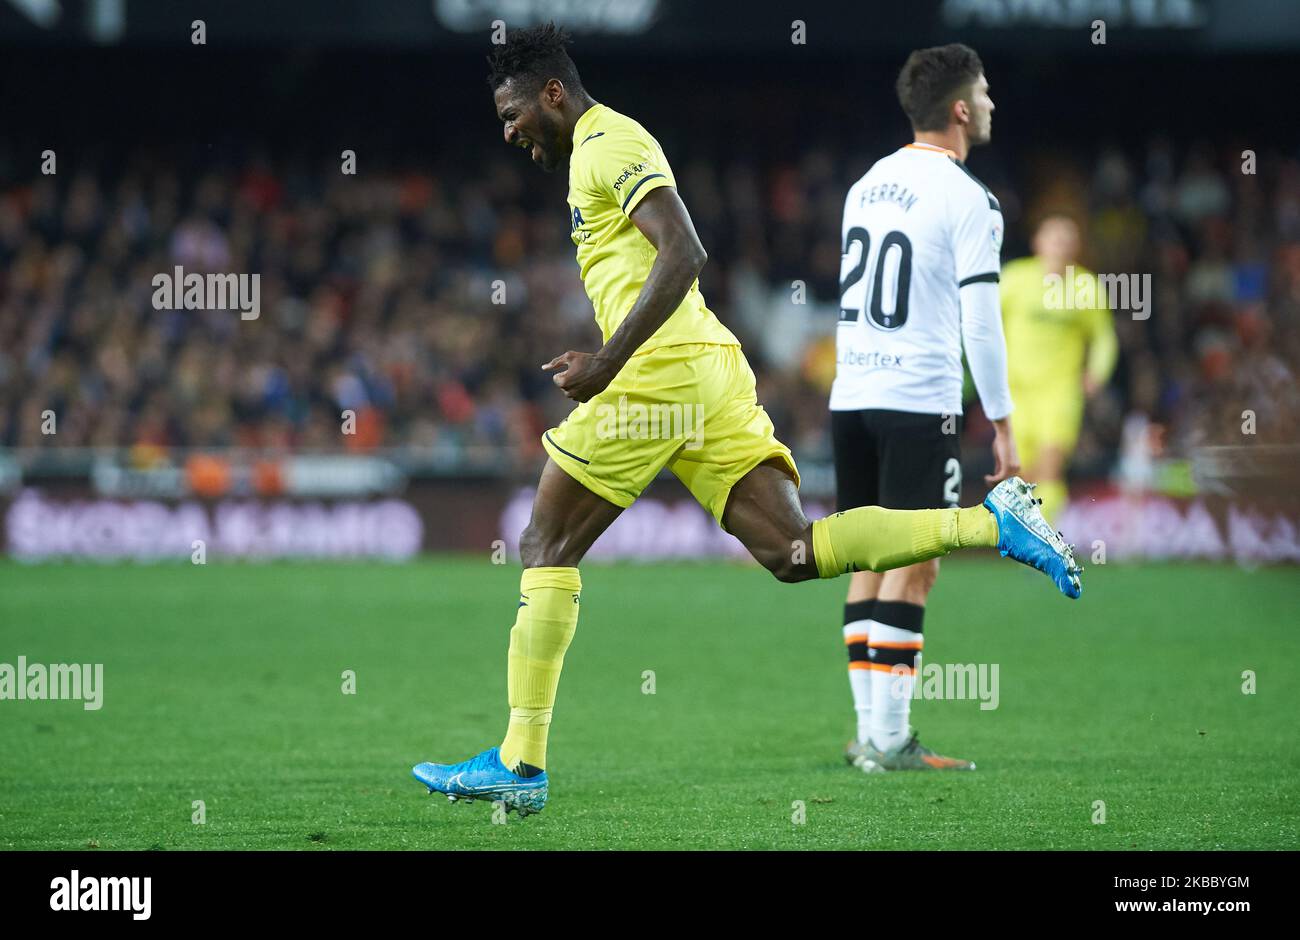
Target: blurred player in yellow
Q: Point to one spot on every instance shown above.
(1057, 355)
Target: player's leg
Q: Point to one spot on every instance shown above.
(567, 518)
(857, 483)
(593, 473)
(896, 643)
(1048, 471)
(748, 480)
(1046, 435)
(859, 608)
(919, 468)
(763, 511)
(1031, 420)
(765, 514)
(894, 650)
(888, 743)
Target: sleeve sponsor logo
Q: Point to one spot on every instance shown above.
(635, 169)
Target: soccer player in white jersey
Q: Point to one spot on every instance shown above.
(918, 281)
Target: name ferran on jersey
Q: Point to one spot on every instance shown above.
(916, 228)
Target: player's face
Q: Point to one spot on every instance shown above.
(531, 122)
(980, 129)
(1057, 242)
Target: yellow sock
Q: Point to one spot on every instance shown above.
(1054, 496)
(547, 618)
(873, 539)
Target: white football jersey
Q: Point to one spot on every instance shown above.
(917, 227)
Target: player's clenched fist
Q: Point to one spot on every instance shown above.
(582, 375)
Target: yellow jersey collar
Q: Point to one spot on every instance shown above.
(584, 123)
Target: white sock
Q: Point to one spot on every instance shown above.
(856, 621)
(895, 653)
(860, 683)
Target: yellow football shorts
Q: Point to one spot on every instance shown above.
(1045, 418)
(690, 408)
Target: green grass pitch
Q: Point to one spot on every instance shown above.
(223, 684)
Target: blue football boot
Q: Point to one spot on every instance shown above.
(1023, 534)
(484, 777)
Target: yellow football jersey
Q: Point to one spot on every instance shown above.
(1047, 346)
(615, 164)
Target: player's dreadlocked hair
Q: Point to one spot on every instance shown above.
(532, 57)
(932, 79)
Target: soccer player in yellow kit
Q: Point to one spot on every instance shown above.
(664, 356)
(1057, 356)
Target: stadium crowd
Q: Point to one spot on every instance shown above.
(425, 299)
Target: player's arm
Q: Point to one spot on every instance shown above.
(1103, 350)
(975, 250)
(986, 354)
(662, 218)
(1009, 293)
